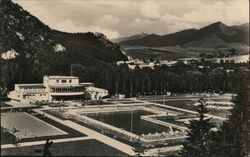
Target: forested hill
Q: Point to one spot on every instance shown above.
(30, 49)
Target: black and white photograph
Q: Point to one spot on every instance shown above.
(166, 78)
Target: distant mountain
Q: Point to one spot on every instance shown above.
(216, 34)
(30, 49)
(133, 37)
(243, 27)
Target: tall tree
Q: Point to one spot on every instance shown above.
(233, 138)
(199, 133)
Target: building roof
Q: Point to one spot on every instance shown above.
(61, 77)
(87, 83)
(31, 85)
(64, 85)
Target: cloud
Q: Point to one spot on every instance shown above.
(108, 20)
(229, 12)
(117, 18)
(69, 26)
(150, 10)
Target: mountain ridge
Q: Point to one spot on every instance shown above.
(229, 34)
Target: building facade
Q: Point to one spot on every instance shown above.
(56, 88)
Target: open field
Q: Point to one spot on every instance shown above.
(3, 104)
(175, 52)
(141, 52)
(76, 148)
(6, 137)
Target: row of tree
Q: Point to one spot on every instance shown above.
(178, 78)
(231, 140)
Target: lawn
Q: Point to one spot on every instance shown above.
(76, 148)
(6, 137)
(3, 104)
(130, 102)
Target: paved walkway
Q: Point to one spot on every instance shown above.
(93, 134)
(23, 144)
(156, 151)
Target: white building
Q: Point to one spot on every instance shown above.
(56, 88)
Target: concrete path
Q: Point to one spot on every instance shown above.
(156, 151)
(23, 144)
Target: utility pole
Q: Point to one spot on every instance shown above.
(131, 89)
(131, 123)
(164, 95)
(71, 69)
(155, 100)
(116, 95)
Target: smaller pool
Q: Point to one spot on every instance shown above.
(28, 126)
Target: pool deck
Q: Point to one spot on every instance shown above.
(24, 144)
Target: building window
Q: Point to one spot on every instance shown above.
(64, 81)
(70, 81)
(57, 81)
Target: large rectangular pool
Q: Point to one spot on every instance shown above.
(122, 119)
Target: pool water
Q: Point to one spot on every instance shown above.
(122, 119)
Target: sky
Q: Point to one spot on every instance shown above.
(121, 18)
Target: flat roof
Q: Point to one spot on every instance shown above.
(31, 85)
(86, 83)
(65, 85)
(60, 76)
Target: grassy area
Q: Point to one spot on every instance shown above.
(141, 52)
(3, 104)
(130, 102)
(6, 137)
(76, 148)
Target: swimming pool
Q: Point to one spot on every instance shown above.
(122, 119)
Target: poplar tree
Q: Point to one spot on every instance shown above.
(199, 134)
